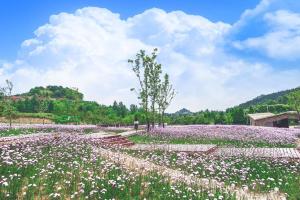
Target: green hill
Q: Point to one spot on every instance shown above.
(53, 92)
(66, 105)
(269, 99)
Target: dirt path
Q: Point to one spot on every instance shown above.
(131, 132)
(144, 167)
(201, 148)
(291, 153)
(298, 144)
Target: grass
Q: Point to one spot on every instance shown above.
(146, 139)
(15, 132)
(257, 174)
(116, 131)
(88, 131)
(36, 115)
(22, 131)
(67, 169)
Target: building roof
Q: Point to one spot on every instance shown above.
(257, 116)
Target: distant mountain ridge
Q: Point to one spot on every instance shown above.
(278, 99)
(183, 111)
(273, 98)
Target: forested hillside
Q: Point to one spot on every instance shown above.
(67, 105)
(275, 103)
(270, 99)
(55, 92)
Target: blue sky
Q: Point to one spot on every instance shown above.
(18, 18)
(218, 53)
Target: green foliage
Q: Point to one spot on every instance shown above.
(273, 108)
(56, 92)
(238, 115)
(141, 67)
(202, 117)
(65, 119)
(294, 101)
(65, 105)
(166, 95)
(8, 109)
(120, 109)
(154, 93)
(36, 115)
(273, 98)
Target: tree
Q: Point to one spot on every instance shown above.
(151, 92)
(43, 107)
(154, 83)
(35, 103)
(294, 102)
(140, 67)
(166, 95)
(9, 110)
(133, 109)
(237, 115)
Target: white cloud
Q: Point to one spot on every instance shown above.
(273, 29)
(89, 50)
(249, 14)
(283, 39)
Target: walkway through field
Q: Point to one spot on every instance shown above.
(223, 151)
(144, 166)
(259, 152)
(204, 148)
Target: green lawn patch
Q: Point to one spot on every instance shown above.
(147, 139)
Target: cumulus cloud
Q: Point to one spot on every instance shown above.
(284, 34)
(89, 49)
(275, 25)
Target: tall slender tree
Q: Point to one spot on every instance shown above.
(154, 84)
(140, 66)
(165, 97)
(153, 92)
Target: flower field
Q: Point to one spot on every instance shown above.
(59, 162)
(226, 134)
(48, 167)
(25, 129)
(258, 175)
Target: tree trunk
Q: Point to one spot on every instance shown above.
(153, 116)
(147, 120)
(162, 119)
(10, 121)
(159, 117)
